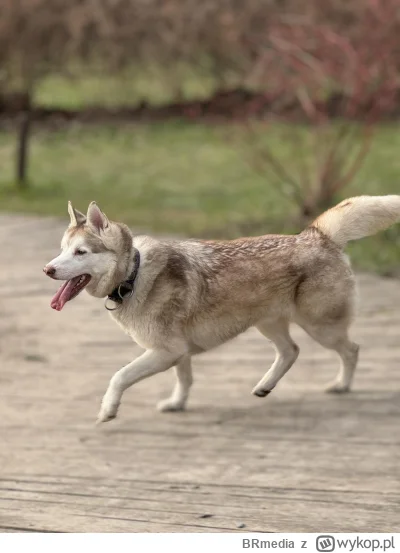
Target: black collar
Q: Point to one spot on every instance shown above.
(125, 289)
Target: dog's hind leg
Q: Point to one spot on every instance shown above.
(286, 354)
(348, 352)
(177, 401)
(333, 335)
(151, 362)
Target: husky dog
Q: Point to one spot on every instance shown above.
(183, 297)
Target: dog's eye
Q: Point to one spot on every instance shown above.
(80, 252)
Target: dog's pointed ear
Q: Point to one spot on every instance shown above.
(96, 218)
(77, 218)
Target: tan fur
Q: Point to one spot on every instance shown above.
(192, 295)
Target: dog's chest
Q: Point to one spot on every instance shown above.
(139, 326)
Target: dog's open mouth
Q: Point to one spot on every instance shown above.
(69, 290)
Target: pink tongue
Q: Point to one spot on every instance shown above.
(64, 294)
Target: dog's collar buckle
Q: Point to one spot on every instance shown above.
(126, 288)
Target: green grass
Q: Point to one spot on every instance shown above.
(126, 89)
(181, 178)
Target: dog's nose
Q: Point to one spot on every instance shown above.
(50, 271)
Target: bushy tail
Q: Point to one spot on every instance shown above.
(358, 217)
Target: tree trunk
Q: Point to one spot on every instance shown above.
(24, 131)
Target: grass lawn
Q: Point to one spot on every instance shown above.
(181, 178)
(129, 88)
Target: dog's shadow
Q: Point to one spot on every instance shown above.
(307, 412)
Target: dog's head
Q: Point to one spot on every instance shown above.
(95, 255)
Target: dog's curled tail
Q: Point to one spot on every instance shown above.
(358, 217)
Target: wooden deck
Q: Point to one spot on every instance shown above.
(298, 460)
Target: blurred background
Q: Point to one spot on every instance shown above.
(209, 119)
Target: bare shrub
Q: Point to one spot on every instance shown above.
(343, 84)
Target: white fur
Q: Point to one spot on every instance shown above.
(69, 265)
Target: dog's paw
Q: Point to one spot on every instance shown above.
(170, 405)
(337, 388)
(107, 413)
(259, 392)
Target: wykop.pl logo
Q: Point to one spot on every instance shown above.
(325, 544)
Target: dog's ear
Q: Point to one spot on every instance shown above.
(77, 218)
(96, 218)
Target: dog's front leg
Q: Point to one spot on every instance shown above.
(151, 362)
(184, 380)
